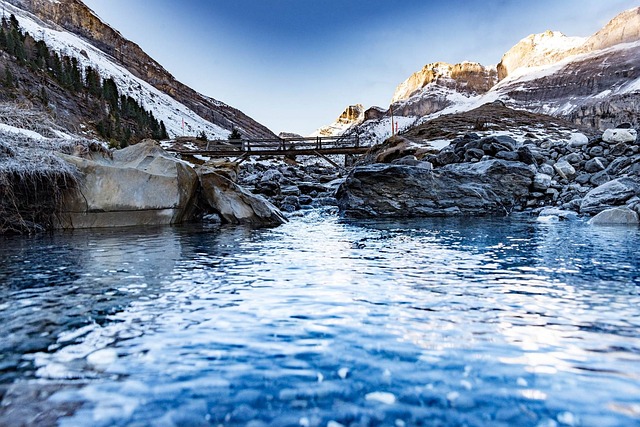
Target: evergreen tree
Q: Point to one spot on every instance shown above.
(8, 78)
(235, 134)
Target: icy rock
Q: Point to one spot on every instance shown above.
(614, 136)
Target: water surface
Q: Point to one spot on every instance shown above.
(323, 322)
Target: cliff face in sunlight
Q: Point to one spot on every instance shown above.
(77, 18)
(466, 77)
(593, 81)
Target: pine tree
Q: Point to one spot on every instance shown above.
(235, 134)
(8, 78)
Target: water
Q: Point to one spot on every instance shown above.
(323, 322)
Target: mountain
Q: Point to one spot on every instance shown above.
(69, 27)
(593, 81)
(352, 115)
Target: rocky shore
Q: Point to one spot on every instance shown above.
(498, 174)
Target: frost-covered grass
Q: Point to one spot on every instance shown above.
(32, 176)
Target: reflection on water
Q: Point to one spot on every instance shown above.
(324, 322)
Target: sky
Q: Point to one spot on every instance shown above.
(295, 65)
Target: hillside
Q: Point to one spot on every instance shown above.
(69, 27)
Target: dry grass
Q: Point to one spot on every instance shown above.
(32, 177)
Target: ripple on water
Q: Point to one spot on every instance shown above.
(326, 322)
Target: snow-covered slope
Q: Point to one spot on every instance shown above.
(538, 50)
(593, 81)
(179, 117)
(162, 105)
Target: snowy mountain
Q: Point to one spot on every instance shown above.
(70, 28)
(592, 81)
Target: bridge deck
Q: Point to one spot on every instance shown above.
(314, 146)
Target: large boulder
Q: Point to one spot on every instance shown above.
(235, 204)
(610, 194)
(482, 188)
(616, 216)
(614, 136)
(139, 185)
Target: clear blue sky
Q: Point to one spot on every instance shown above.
(294, 65)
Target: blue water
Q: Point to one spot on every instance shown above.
(323, 322)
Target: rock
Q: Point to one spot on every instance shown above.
(508, 155)
(596, 164)
(564, 169)
(235, 204)
(473, 153)
(141, 185)
(583, 178)
(578, 140)
(611, 194)
(447, 156)
(547, 169)
(614, 136)
(616, 216)
(290, 190)
(541, 181)
(561, 214)
(526, 155)
(483, 188)
(272, 175)
(410, 160)
(599, 178)
(305, 200)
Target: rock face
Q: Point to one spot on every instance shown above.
(74, 16)
(141, 185)
(235, 204)
(466, 77)
(591, 81)
(428, 90)
(352, 115)
(536, 50)
(144, 185)
(483, 188)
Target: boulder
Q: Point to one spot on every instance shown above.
(139, 185)
(564, 169)
(614, 136)
(616, 216)
(611, 194)
(481, 188)
(541, 182)
(596, 164)
(235, 204)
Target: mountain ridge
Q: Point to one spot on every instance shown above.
(588, 80)
(75, 17)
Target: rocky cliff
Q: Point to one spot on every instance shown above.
(439, 85)
(352, 115)
(75, 17)
(592, 81)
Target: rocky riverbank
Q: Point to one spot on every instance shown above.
(497, 174)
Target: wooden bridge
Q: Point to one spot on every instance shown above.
(241, 149)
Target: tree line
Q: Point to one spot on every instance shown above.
(124, 120)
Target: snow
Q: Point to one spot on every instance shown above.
(19, 131)
(163, 107)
